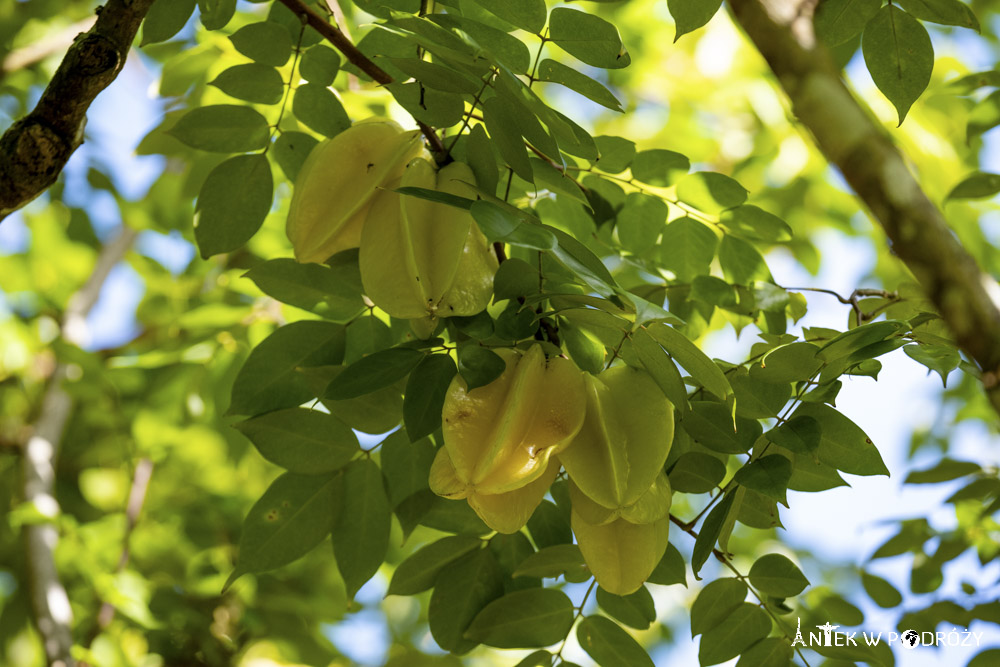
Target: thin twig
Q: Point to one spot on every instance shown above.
(335, 36)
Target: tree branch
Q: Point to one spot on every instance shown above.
(846, 132)
(333, 34)
(52, 612)
(34, 150)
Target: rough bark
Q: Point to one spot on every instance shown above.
(851, 138)
(34, 150)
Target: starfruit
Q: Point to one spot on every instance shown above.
(500, 439)
(621, 555)
(618, 455)
(422, 259)
(337, 183)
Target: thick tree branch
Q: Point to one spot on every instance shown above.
(36, 148)
(846, 132)
(333, 34)
(50, 604)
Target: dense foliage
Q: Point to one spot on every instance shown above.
(628, 199)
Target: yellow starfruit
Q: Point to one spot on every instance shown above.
(338, 182)
(619, 453)
(500, 439)
(423, 259)
(621, 555)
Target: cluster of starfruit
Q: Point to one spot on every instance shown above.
(420, 260)
(505, 442)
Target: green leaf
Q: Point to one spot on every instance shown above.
(801, 434)
(538, 659)
(659, 167)
(635, 610)
(553, 561)
(938, 358)
(945, 12)
(320, 110)
(460, 592)
(232, 204)
(525, 14)
(899, 55)
(251, 82)
(615, 154)
(837, 21)
(165, 19)
(377, 370)
(290, 150)
(333, 292)
(770, 652)
(692, 359)
(640, 222)
(437, 76)
(979, 185)
(505, 50)
(689, 15)
(608, 644)
(788, 363)
(498, 114)
(716, 601)
(215, 14)
(320, 65)
(944, 471)
(742, 263)
(985, 658)
(745, 625)
(266, 42)
(361, 534)
(268, 379)
(709, 534)
(479, 365)
(711, 424)
(405, 465)
(515, 278)
(696, 472)
(424, 396)
(289, 520)
(713, 291)
(499, 224)
(756, 399)
(775, 575)
(660, 367)
(768, 476)
(308, 442)
(549, 526)
(383, 8)
(843, 445)
(555, 72)
(480, 156)
(418, 572)
(687, 248)
(984, 116)
(222, 128)
(529, 618)
(434, 107)
(588, 38)
(670, 570)
(756, 224)
(710, 192)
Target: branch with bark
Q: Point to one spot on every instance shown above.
(967, 298)
(34, 150)
(50, 604)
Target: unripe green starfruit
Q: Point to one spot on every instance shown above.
(422, 259)
(651, 506)
(619, 453)
(499, 439)
(621, 555)
(338, 182)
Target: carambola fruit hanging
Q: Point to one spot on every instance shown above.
(338, 182)
(500, 439)
(422, 259)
